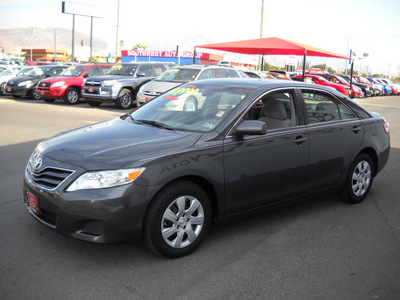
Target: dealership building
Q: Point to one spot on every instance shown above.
(171, 56)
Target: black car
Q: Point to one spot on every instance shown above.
(26, 85)
(165, 174)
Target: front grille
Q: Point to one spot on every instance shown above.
(48, 178)
(92, 83)
(11, 84)
(154, 94)
(44, 85)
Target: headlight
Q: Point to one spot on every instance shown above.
(105, 179)
(109, 82)
(58, 83)
(25, 83)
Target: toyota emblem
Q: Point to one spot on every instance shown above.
(37, 163)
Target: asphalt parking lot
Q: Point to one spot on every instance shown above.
(316, 249)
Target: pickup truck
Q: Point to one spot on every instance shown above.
(121, 83)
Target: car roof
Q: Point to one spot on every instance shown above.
(196, 66)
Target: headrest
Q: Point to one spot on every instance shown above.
(275, 109)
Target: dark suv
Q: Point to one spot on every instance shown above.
(181, 74)
(121, 83)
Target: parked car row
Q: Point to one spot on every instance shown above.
(126, 84)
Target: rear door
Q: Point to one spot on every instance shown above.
(335, 135)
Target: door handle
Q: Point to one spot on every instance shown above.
(300, 140)
(356, 129)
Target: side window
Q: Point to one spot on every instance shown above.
(345, 113)
(233, 74)
(206, 74)
(56, 71)
(220, 73)
(158, 70)
(104, 70)
(277, 110)
(95, 71)
(321, 108)
(146, 70)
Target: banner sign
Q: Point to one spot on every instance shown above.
(184, 54)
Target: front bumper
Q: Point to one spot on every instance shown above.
(17, 91)
(52, 92)
(100, 93)
(141, 98)
(99, 215)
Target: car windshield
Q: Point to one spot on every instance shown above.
(179, 75)
(341, 80)
(37, 71)
(191, 107)
(24, 71)
(73, 71)
(119, 69)
(363, 79)
(323, 79)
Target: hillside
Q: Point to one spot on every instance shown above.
(13, 40)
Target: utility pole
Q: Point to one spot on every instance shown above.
(261, 31)
(116, 41)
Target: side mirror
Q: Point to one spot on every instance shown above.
(86, 75)
(251, 127)
(140, 75)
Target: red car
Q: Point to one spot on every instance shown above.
(356, 92)
(69, 84)
(317, 79)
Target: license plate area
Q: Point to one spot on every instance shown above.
(9, 89)
(91, 90)
(33, 202)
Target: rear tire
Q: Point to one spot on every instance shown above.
(177, 220)
(359, 179)
(71, 96)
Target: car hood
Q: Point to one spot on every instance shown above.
(160, 86)
(108, 77)
(18, 79)
(114, 144)
(61, 78)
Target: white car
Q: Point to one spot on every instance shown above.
(10, 73)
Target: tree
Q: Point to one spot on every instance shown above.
(268, 67)
(139, 46)
(121, 43)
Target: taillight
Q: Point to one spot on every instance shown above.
(386, 127)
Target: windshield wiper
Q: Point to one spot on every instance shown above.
(155, 124)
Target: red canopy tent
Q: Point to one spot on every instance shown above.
(272, 46)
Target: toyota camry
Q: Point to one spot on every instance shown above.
(165, 174)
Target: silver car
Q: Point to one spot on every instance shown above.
(181, 74)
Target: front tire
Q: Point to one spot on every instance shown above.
(33, 94)
(190, 104)
(359, 179)
(177, 220)
(125, 99)
(71, 96)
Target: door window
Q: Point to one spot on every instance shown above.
(277, 110)
(324, 108)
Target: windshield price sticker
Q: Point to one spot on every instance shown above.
(186, 90)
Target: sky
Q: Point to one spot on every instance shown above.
(365, 26)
